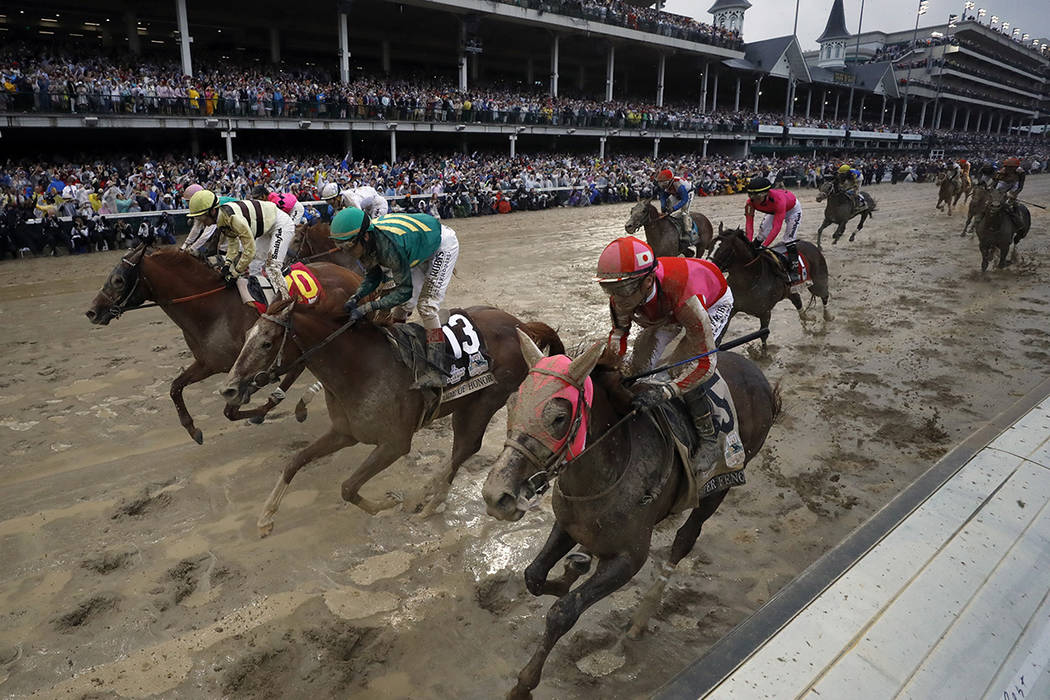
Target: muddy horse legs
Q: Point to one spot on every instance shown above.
(610, 575)
(191, 375)
(863, 217)
(684, 540)
(558, 544)
(256, 415)
(377, 460)
(331, 441)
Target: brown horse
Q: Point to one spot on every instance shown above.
(368, 393)
(312, 244)
(757, 282)
(978, 205)
(661, 233)
(949, 189)
(213, 319)
(609, 498)
(996, 230)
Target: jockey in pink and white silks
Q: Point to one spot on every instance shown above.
(666, 296)
(783, 216)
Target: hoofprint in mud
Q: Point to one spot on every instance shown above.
(132, 562)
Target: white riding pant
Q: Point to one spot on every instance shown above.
(270, 251)
(789, 229)
(379, 207)
(430, 280)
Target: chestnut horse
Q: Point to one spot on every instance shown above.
(311, 244)
(661, 233)
(367, 389)
(949, 189)
(757, 282)
(213, 318)
(609, 497)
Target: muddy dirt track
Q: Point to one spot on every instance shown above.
(131, 563)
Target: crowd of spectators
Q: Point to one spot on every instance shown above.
(645, 19)
(74, 203)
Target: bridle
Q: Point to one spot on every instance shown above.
(274, 371)
(119, 306)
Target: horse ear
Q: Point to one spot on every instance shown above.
(582, 366)
(720, 228)
(529, 350)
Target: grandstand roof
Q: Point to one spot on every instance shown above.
(780, 56)
(836, 27)
(877, 78)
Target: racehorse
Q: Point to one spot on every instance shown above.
(840, 209)
(757, 282)
(996, 230)
(949, 189)
(660, 231)
(312, 244)
(609, 497)
(367, 389)
(978, 205)
(213, 318)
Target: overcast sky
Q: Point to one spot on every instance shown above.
(770, 18)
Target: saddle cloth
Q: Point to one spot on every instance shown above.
(715, 466)
(779, 254)
(466, 354)
(303, 285)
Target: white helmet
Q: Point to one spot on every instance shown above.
(330, 190)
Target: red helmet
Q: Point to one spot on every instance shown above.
(962, 161)
(664, 175)
(625, 258)
(1012, 162)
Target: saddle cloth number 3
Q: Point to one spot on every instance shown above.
(471, 342)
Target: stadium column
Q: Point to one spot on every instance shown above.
(809, 98)
(999, 129)
(714, 93)
(275, 45)
(838, 96)
(736, 103)
(966, 120)
(704, 152)
(758, 92)
(462, 56)
(344, 50)
(922, 115)
(882, 119)
(823, 101)
(131, 24)
(980, 118)
(184, 37)
(554, 65)
(955, 112)
(601, 148)
(661, 68)
(703, 89)
(513, 141)
(893, 116)
(991, 118)
(393, 146)
(656, 148)
(385, 48)
(530, 73)
(610, 64)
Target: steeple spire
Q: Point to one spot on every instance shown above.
(836, 28)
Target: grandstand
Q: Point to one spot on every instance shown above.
(584, 76)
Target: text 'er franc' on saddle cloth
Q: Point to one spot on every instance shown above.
(467, 357)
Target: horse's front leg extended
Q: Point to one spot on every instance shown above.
(820, 230)
(839, 230)
(191, 375)
(557, 546)
(610, 575)
(379, 459)
(256, 415)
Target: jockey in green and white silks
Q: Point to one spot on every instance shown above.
(419, 253)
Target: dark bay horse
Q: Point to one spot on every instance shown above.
(996, 230)
(368, 393)
(756, 280)
(213, 319)
(978, 205)
(608, 498)
(661, 233)
(949, 189)
(839, 209)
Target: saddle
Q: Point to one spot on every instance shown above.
(302, 285)
(778, 254)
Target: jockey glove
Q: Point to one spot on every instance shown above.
(652, 395)
(355, 312)
(757, 244)
(228, 278)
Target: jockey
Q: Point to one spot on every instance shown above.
(200, 233)
(243, 222)
(1010, 179)
(964, 171)
(290, 205)
(675, 199)
(420, 254)
(783, 214)
(364, 197)
(849, 179)
(665, 296)
(986, 175)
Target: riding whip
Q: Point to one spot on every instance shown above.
(761, 333)
(1030, 204)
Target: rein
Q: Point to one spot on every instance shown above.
(119, 307)
(273, 374)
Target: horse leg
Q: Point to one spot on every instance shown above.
(331, 441)
(468, 431)
(863, 217)
(1003, 252)
(611, 574)
(311, 393)
(821, 230)
(191, 375)
(969, 218)
(684, 540)
(839, 230)
(796, 301)
(986, 255)
(257, 415)
(558, 544)
(378, 459)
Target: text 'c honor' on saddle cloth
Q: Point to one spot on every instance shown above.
(467, 357)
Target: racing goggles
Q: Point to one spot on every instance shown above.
(622, 288)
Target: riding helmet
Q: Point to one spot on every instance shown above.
(759, 184)
(348, 224)
(202, 202)
(625, 258)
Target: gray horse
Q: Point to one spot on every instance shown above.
(662, 234)
(840, 209)
(996, 230)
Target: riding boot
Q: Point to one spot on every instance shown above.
(792, 255)
(436, 371)
(700, 411)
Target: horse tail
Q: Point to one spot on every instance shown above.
(778, 402)
(545, 337)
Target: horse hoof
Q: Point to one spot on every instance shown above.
(198, 436)
(635, 633)
(265, 529)
(828, 316)
(257, 420)
(300, 412)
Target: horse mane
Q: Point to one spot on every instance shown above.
(176, 257)
(609, 375)
(733, 232)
